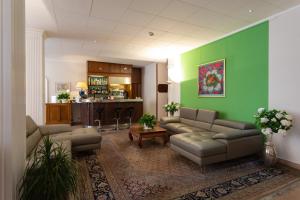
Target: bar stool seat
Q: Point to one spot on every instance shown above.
(99, 112)
(129, 113)
(117, 113)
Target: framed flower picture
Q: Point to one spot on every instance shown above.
(211, 79)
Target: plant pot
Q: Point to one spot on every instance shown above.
(270, 155)
(64, 101)
(146, 127)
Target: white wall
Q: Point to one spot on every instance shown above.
(12, 100)
(63, 71)
(284, 81)
(149, 88)
(162, 98)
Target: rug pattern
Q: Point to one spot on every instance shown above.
(123, 171)
(220, 190)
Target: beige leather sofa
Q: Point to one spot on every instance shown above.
(77, 140)
(199, 136)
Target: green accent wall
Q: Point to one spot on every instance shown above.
(246, 55)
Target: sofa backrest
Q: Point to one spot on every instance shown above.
(222, 125)
(33, 135)
(188, 113)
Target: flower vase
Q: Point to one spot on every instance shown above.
(171, 114)
(146, 127)
(270, 155)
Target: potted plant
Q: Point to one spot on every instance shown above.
(63, 97)
(171, 108)
(51, 174)
(148, 121)
(272, 122)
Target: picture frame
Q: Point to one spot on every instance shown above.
(62, 87)
(211, 79)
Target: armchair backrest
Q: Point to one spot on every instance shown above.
(33, 135)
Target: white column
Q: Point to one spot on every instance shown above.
(12, 98)
(174, 79)
(35, 75)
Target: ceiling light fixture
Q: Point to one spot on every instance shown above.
(250, 11)
(95, 41)
(151, 33)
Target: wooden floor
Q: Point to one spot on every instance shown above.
(289, 192)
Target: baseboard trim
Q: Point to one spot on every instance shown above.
(289, 163)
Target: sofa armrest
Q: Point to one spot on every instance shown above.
(53, 129)
(236, 134)
(165, 120)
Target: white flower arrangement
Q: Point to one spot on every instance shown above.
(273, 121)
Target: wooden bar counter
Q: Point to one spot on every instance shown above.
(86, 113)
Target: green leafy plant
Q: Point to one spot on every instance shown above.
(171, 108)
(63, 95)
(51, 174)
(148, 120)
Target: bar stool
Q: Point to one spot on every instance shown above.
(117, 112)
(99, 111)
(129, 112)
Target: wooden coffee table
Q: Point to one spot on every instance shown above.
(139, 132)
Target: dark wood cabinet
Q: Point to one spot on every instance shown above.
(58, 113)
(98, 67)
(108, 68)
(136, 83)
(136, 75)
(136, 90)
(126, 69)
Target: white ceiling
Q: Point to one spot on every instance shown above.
(103, 29)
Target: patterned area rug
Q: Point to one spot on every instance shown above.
(123, 171)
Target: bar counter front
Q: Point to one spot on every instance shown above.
(107, 111)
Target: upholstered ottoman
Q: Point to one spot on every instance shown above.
(82, 139)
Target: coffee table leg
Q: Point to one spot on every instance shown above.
(140, 141)
(130, 135)
(165, 138)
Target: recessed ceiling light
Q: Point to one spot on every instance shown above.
(95, 41)
(151, 33)
(250, 11)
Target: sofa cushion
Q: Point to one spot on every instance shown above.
(32, 141)
(85, 136)
(223, 129)
(30, 126)
(188, 113)
(190, 129)
(53, 129)
(236, 135)
(198, 124)
(80, 136)
(173, 127)
(207, 116)
(165, 120)
(199, 144)
(234, 124)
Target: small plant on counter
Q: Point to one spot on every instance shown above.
(171, 108)
(148, 121)
(63, 97)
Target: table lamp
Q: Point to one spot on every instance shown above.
(82, 86)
